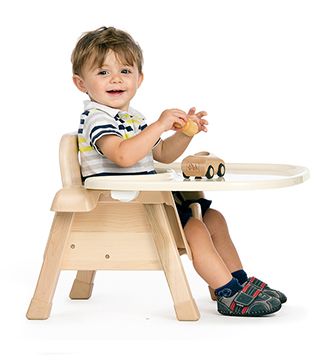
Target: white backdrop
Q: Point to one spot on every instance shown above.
(254, 67)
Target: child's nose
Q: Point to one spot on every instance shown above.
(116, 78)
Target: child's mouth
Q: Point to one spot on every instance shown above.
(115, 92)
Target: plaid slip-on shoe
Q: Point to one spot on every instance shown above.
(250, 301)
(266, 289)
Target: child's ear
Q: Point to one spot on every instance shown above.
(140, 79)
(79, 83)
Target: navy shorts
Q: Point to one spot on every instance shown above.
(185, 213)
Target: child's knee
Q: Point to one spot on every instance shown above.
(194, 225)
(194, 229)
(215, 216)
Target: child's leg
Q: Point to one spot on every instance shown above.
(206, 259)
(219, 233)
(218, 229)
(232, 298)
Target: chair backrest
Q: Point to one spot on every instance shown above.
(69, 160)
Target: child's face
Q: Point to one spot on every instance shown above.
(113, 84)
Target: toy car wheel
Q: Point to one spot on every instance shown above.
(210, 172)
(221, 170)
(185, 176)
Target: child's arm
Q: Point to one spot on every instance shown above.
(127, 152)
(174, 146)
(171, 148)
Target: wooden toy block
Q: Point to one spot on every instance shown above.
(190, 128)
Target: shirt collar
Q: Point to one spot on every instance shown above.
(88, 104)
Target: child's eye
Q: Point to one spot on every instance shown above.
(126, 71)
(103, 72)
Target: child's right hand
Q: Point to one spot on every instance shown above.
(171, 117)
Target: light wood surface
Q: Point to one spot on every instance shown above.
(184, 304)
(41, 302)
(237, 177)
(83, 285)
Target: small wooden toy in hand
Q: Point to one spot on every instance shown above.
(190, 128)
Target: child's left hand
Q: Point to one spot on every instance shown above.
(198, 118)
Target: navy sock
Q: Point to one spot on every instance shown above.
(229, 289)
(240, 275)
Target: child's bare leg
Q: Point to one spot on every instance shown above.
(206, 259)
(217, 262)
(218, 229)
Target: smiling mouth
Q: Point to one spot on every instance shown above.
(115, 92)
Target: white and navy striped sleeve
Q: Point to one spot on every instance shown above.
(98, 125)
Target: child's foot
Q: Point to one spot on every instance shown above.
(249, 301)
(266, 289)
(261, 285)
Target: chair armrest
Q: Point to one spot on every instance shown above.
(75, 199)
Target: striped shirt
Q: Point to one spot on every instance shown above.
(99, 120)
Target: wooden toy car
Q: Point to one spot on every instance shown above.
(202, 164)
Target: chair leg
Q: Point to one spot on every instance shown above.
(82, 285)
(41, 302)
(184, 304)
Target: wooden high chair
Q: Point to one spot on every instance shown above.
(92, 231)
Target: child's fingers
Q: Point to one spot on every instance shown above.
(177, 125)
(201, 113)
(180, 114)
(179, 122)
(203, 122)
(192, 111)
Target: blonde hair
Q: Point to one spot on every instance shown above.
(93, 47)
